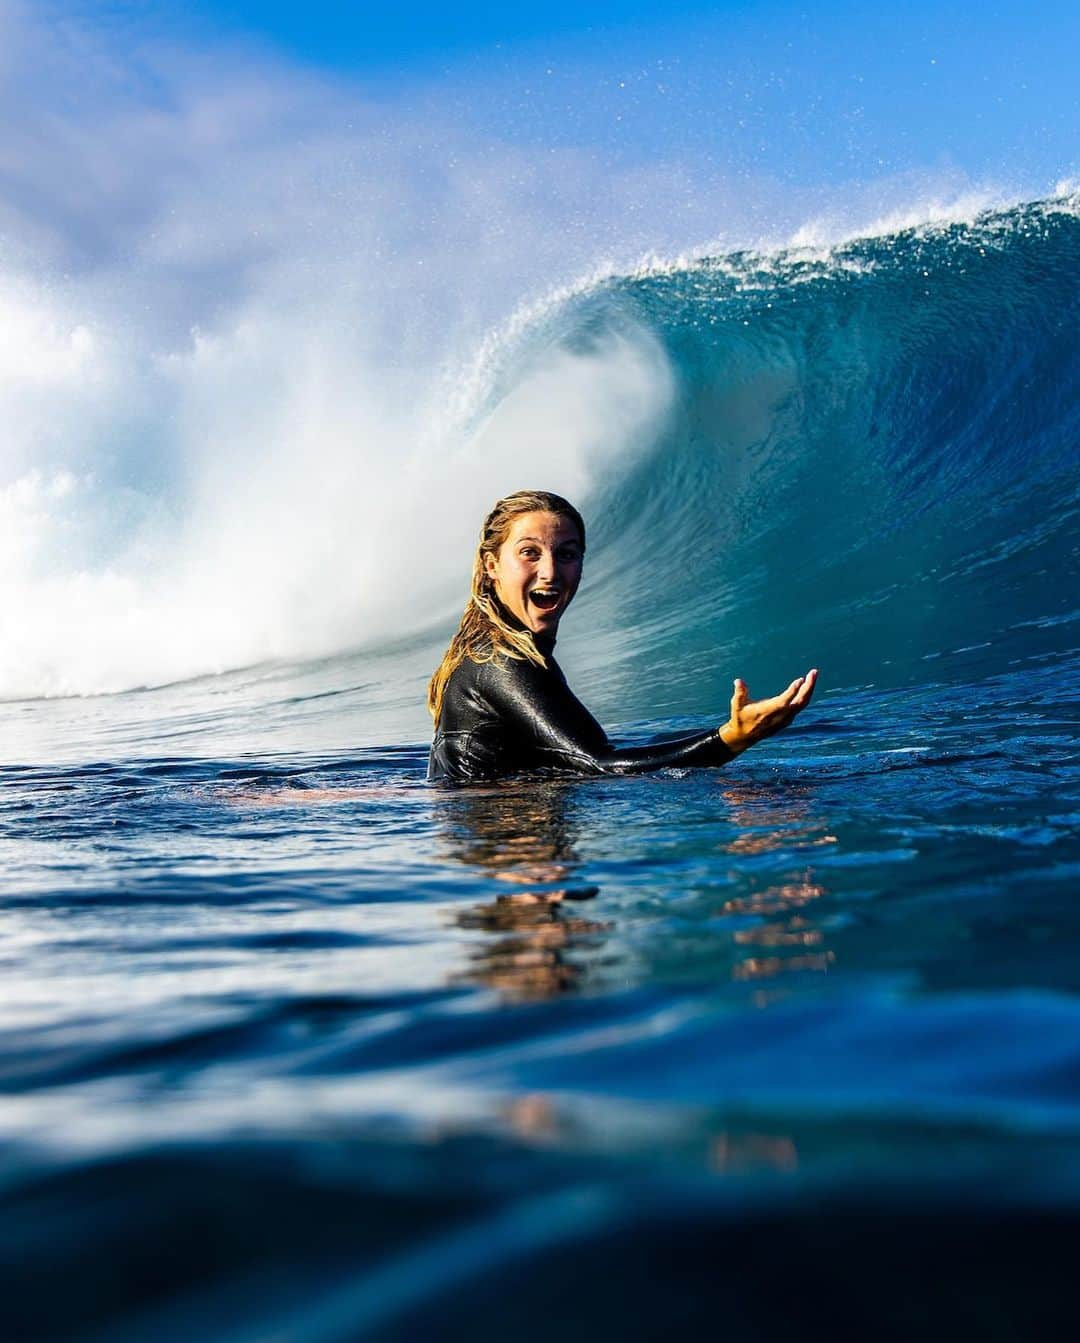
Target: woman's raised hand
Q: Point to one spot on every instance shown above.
(752, 720)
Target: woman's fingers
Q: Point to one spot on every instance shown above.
(806, 689)
(764, 717)
(792, 690)
(781, 701)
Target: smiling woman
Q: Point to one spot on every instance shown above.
(500, 702)
(537, 569)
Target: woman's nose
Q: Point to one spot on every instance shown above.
(547, 566)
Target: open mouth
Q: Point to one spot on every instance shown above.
(545, 598)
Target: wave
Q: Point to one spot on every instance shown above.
(870, 463)
(860, 456)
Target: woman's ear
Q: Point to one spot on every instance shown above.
(489, 565)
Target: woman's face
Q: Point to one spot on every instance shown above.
(537, 569)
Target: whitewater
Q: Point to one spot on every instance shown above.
(293, 1044)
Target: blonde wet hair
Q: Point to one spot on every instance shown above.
(484, 633)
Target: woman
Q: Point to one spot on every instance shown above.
(500, 703)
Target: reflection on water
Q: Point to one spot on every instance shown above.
(744, 1153)
(780, 899)
(771, 936)
(768, 967)
(782, 939)
(521, 834)
(533, 935)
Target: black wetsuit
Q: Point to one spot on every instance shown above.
(509, 716)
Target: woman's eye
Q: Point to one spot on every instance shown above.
(530, 553)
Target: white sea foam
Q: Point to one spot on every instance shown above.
(268, 488)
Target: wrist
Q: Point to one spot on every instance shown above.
(732, 738)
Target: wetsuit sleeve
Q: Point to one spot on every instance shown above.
(699, 749)
(538, 707)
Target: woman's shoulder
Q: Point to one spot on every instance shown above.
(498, 671)
(488, 661)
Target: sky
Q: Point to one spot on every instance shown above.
(811, 93)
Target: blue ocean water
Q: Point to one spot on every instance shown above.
(294, 1045)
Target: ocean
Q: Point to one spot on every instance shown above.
(294, 1045)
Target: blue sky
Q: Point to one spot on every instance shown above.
(573, 134)
(358, 35)
(810, 93)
